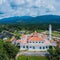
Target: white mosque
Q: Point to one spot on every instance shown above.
(36, 41)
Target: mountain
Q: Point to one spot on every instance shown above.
(28, 19)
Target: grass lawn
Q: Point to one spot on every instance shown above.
(32, 58)
(56, 33)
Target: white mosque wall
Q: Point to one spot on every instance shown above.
(34, 48)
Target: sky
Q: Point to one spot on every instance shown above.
(9, 8)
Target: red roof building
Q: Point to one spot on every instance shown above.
(34, 42)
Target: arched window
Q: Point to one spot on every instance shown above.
(30, 41)
(30, 46)
(23, 46)
(40, 47)
(33, 47)
(26, 46)
(33, 42)
(47, 47)
(36, 42)
(43, 47)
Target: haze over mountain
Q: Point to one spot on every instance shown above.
(11, 8)
(29, 19)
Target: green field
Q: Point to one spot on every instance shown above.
(56, 33)
(32, 58)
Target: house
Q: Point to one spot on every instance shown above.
(36, 41)
(5, 35)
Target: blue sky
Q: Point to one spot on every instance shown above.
(34, 8)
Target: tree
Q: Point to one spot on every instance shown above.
(11, 50)
(7, 50)
(54, 53)
(3, 55)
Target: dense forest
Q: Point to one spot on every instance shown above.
(29, 19)
(27, 26)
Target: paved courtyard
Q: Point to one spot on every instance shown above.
(29, 53)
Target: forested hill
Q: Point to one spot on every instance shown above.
(29, 19)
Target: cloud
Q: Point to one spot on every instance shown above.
(5, 7)
(29, 7)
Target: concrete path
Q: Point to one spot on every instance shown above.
(28, 53)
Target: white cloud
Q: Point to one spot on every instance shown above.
(29, 7)
(18, 2)
(0, 2)
(51, 8)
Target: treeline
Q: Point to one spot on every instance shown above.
(31, 27)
